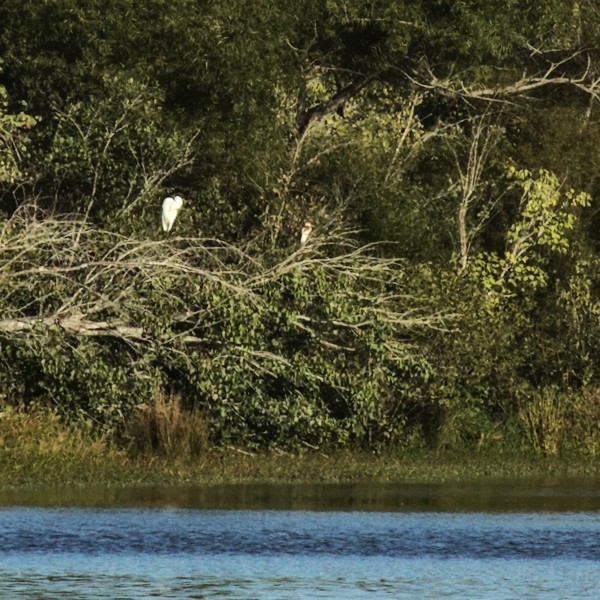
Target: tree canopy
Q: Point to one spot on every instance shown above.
(446, 152)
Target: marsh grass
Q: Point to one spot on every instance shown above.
(37, 448)
(167, 428)
(555, 422)
(37, 445)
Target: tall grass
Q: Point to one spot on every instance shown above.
(168, 429)
(554, 421)
(37, 445)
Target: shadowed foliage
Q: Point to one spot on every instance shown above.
(446, 154)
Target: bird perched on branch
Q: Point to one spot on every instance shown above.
(170, 208)
(305, 232)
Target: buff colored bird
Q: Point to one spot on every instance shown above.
(305, 232)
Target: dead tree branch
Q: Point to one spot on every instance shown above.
(62, 278)
(556, 73)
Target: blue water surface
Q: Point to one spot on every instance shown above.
(191, 553)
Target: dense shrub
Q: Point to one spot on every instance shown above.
(446, 154)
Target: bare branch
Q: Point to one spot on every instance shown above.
(305, 119)
(62, 278)
(555, 74)
(75, 325)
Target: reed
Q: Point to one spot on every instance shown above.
(555, 422)
(38, 446)
(169, 445)
(167, 428)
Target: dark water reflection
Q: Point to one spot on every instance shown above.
(557, 495)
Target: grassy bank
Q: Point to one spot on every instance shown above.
(39, 449)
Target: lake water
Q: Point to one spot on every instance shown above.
(183, 543)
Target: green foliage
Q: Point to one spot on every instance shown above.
(465, 135)
(13, 142)
(514, 335)
(545, 219)
(110, 155)
(555, 421)
(308, 349)
(80, 379)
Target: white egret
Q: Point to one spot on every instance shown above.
(305, 232)
(170, 208)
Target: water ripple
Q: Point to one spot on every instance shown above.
(67, 553)
(255, 533)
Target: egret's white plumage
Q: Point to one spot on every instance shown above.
(305, 232)
(170, 208)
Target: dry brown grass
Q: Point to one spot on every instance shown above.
(555, 421)
(167, 428)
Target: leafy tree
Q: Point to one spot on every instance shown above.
(465, 135)
(14, 140)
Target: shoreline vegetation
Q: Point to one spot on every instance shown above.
(39, 450)
(385, 263)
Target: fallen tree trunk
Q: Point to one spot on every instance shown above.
(75, 324)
